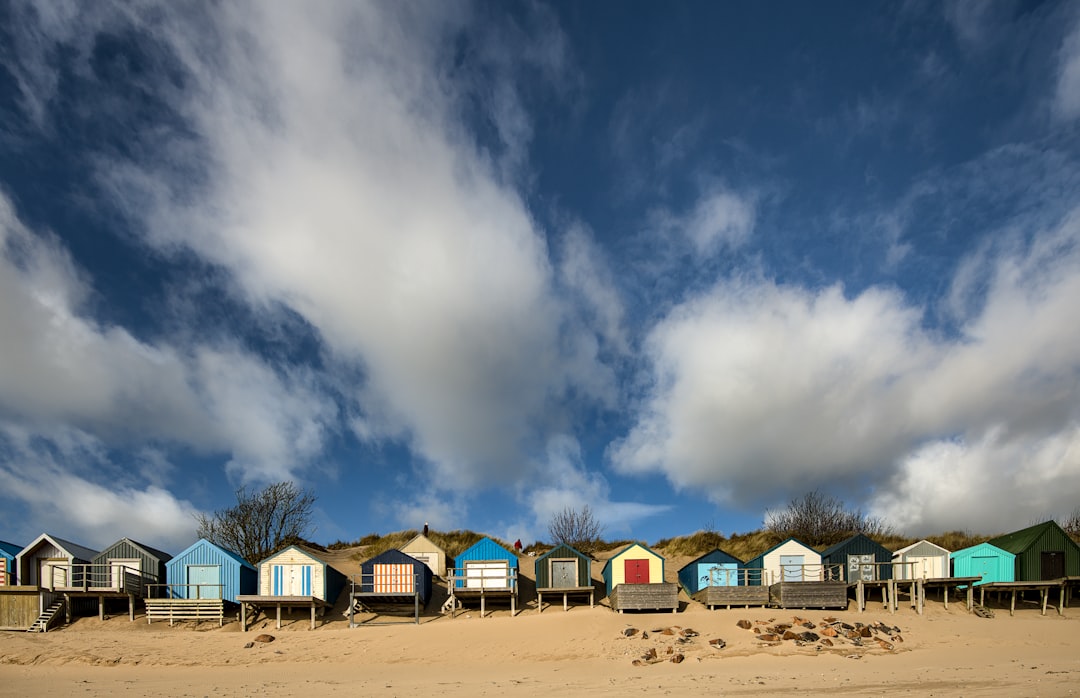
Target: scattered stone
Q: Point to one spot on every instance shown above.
(769, 637)
(638, 662)
(884, 645)
(649, 654)
(808, 625)
(677, 659)
(717, 643)
(854, 656)
(630, 632)
(249, 645)
(644, 635)
(828, 619)
(897, 638)
(864, 632)
(788, 635)
(689, 632)
(809, 636)
(263, 638)
(827, 642)
(829, 632)
(669, 650)
(744, 624)
(667, 631)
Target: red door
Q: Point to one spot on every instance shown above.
(636, 571)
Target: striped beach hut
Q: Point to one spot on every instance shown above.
(8, 570)
(208, 571)
(634, 578)
(789, 561)
(1043, 552)
(859, 558)
(984, 560)
(297, 571)
(423, 549)
(713, 569)
(394, 573)
(922, 560)
(130, 561)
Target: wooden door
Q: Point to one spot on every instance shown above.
(861, 567)
(1053, 564)
(395, 578)
(53, 574)
(791, 567)
(203, 582)
(121, 572)
(291, 580)
(564, 574)
(718, 574)
(636, 572)
(487, 575)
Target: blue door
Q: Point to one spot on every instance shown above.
(718, 574)
(984, 566)
(204, 582)
(791, 567)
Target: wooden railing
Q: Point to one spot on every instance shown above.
(210, 592)
(97, 577)
(480, 582)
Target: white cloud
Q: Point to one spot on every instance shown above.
(757, 388)
(37, 471)
(1066, 102)
(341, 182)
(719, 219)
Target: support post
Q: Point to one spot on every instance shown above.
(279, 616)
(101, 607)
(1044, 592)
(131, 607)
(970, 597)
(945, 595)
(1012, 604)
(243, 617)
(564, 605)
(539, 601)
(859, 601)
(313, 615)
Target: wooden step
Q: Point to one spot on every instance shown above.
(41, 625)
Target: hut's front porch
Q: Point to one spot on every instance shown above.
(745, 596)
(566, 592)
(256, 603)
(1044, 590)
(809, 594)
(660, 596)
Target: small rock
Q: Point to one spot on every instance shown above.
(897, 638)
(808, 625)
(630, 632)
(885, 645)
(864, 631)
(677, 659)
(689, 632)
(649, 654)
(667, 631)
(826, 641)
(263, 638)
(644, 635)
(828, 619)
(744, 624)
(854, 656)
(249, 645)
(829, 632)
(717, 643)
(788, 635)
(809, 636)
(669, 650)
(638, 662)
(769, 637)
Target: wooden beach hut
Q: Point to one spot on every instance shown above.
(208, 571)
(130, 565)
(9, 575)
(922, 560)
(789, 561)
(1043, 552)
(391, 578)
(563, 571)
(984, 560)
(423, 549)
(720, 579)
(483, 571)
(859, 559)
(50, 563)
(295, 577)
(634, 578)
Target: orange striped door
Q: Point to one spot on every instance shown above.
(393, 579)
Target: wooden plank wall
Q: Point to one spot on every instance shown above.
(809, 594)
(664, 596)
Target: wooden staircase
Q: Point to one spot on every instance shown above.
(41, 625)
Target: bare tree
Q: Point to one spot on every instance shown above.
(816, 518)
(1071, 523)
(262, 522)
(578, 528)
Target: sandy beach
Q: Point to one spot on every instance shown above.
(943, 652)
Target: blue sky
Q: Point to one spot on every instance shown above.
(470, 263)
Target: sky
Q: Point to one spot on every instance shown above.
(469, 263)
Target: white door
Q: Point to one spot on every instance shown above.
(124, 572)
(487, 575)
(54, 573)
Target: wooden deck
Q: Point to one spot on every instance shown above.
(809, 594)
(566, 592)
(256, 603)
(369, 599)
(645, 597)
(173, 610)
(746, 596)
(1043, 588)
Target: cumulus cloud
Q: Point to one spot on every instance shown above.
(757, 387)
(719, 219)
(341, 182)
(58, 476)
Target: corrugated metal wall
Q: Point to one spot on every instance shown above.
(688, 576)
(237, 578)
(859, 545)
(970, 562)
(396, 557)
(1053, 539)
(124, 549)
(543, 569)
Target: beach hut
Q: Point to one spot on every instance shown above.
(392, 573)
(207, 571)
(713, 569)
(127, 564)
(922, 560)
(295, 577)
(563, 570)
(859, 559)
(984, 560)
(423, 549)
(9, 575)
(484, 570)
(789, 561)
(1043, 552)
(52, 563)
(634, 578)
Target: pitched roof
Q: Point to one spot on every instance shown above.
(1019, 541)
(77, 551)
(639, 545)
(10, 548)
(225, 551)
(906, 548)
(781, 544)
(710, 554)
(154, 552)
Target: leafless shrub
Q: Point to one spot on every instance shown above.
(817, 519)
(262, 522)
(1071, 523)
(578, 528)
